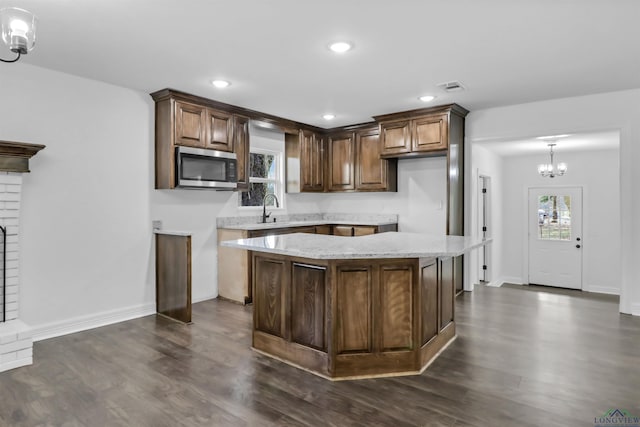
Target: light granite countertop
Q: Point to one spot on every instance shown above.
(382, 245)
(172, 232)
(301, 220)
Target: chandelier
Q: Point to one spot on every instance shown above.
(550, 169)
(17, 31)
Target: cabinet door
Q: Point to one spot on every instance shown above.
(190, 122)
(395, 136)
(219, 130)
(430, 133)
(342, 230)
(341, 149)
(323, 229)
(360, 230)
(371, 170)
(241, 146)
(429, 301)
(311, 161)
(447, 291)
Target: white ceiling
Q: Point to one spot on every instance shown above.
(275, 52)
(606, 140)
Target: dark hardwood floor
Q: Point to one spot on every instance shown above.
(523, 357)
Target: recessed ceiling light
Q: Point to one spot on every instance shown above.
(427, 98)
(329, 116)
(220, 84)
(341, 47)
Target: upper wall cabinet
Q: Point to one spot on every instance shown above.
(373, 173)
(241, 148)
(341, 160)
(416, 133)
(304, 151)
(183, 119)
(202, 127)
(219, 130)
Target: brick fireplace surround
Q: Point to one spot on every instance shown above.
(16, 344)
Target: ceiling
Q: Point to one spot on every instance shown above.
(275, 52)
(606, 140)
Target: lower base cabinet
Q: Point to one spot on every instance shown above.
(346, 319)
(234, 265)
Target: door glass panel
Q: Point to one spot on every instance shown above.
(554, 217)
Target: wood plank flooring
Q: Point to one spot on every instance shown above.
(524, 356)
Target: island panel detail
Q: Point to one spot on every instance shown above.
(352, 318)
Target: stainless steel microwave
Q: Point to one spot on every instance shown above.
(206, 169)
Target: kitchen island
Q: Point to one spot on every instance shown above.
(354, 307)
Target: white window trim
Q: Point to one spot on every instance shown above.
(279, 180)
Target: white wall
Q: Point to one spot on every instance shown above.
(488, 164)
(597, 172)
(85, 233)
(608, 111)
(420, 200)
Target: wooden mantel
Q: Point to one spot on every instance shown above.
(14, 156)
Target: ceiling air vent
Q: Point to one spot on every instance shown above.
(452, 86)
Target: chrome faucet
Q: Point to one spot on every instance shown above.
(264, 206)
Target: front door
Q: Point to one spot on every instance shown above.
(555, 236)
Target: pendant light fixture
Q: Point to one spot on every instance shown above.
(18, 31)
(550, 169)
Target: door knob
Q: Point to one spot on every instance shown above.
(578, 246)
(578, 239)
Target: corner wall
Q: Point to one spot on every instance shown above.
(597, 173)
(608, 111)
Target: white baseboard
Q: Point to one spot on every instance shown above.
(635, 309)
(502, 280)
(17, 363)
(204, 298)
(602, 290)
(82, 323)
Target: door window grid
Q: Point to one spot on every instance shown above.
(554, 217)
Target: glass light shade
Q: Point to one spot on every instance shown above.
(562, 168)
(18, 29)
(545, 169)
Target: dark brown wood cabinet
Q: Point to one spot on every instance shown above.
(416, 133)
(241, 146)
(312, 161)
(372, 172)
(219, 130)
(395, 136)
(234, 265)
(354, 162)
(202, 127)
(304, 152)
(190, 124)
(353, 318)
(341, 160)
(187, 120)
(430, 133)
